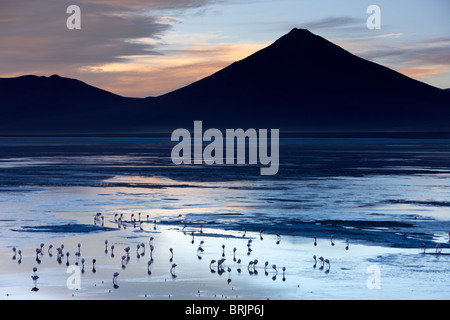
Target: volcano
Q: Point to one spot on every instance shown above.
(300, 83)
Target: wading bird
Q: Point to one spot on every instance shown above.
(35, 278)
(328, 264)
(149, 263)
(172, 269)
(115, 275)
(321, 260)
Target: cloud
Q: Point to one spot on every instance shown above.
(156, 75)
(422, 71)
(333, 22)
(34, 37)
(416, 58)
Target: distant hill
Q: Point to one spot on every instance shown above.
(301, 82)
(40, 104)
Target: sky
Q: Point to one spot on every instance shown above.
(141, 48)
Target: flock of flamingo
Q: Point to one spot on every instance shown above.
(215, 266)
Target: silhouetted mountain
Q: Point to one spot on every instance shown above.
(304, 82)
(301, 82)
(55, 104)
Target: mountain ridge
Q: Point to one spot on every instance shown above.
(301, 82)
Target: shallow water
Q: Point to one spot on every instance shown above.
(386, 195)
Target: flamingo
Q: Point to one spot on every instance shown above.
(255, 262)
(346, 241)
(115, 275)
(260, 234)
(321, 260)
(115, 217)
(137, 250)
(42, 248)
(49, 250)
(20, 255)
(274, 267)
(201, 228)
(278, 238)
(172, 269)
(229, 275)
(93, 265)
(328, 264)
(143, 249)
(67, 255)
(223, 250)
(106, 246)
(192, 234)
(150, 241)
(438, 248)
(154, 224)
(15, 253)
(315, 240)
(60, 255)
(112, 251)
(245, 231)
(82, 265)
(234, 254)
(38, 251)
(149, 263)
(250, 264)
(239, 265)
(220, 269)
(332, 239)
(284, 270)
(35, 278)
(423, 246)
(79, 250)
(127, 250)
(122, 262)
(315, 261)
(151, 252)
(171, 257)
